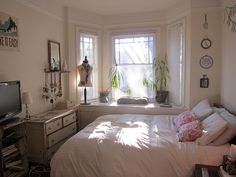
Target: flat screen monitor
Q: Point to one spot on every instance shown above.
(10, 100)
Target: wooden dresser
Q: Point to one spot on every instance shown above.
(46, 132)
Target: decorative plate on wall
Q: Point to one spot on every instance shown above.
(206, 43)
(206, 62)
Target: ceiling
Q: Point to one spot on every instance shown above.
(110, 7)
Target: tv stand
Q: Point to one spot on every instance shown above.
(13, 148)
(9, 121)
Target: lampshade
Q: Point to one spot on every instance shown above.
(27, 98)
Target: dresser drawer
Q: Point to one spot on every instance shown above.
(51, 151)
(53, 126)
(69, 119)
(61, 134)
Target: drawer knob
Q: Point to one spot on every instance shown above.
(58, 124)
(66, 120)
(52, 140)
(49, 128)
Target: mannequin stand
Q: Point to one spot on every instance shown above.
(85, 97)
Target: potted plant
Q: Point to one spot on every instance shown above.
(162, 75)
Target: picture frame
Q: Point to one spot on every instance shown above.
(54, 56)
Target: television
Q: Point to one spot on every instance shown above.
(10, 100)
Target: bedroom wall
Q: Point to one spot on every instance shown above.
(27, 64)
(193, 14)
(228, 73)
(197, 34)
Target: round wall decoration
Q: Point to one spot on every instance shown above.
(206, 62)
(206, 43)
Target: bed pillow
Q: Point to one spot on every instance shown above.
(202, 109)
(230, 132)
(184, 118)
(212, 126)
(190, 131)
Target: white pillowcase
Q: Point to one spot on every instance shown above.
(202, 109)
(230, 132)
(212, 126)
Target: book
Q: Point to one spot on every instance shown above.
(17, 167)
(10, 151)
(8, 148)
(12, 156)
(14, 163)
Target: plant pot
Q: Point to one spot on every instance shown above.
(161, 96)
(103, 97)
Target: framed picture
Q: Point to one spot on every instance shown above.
(9, 39)
(54, 56)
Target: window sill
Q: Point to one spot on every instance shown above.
(114, 108)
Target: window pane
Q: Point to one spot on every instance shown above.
(175, 60)
(134, 56)
(88, 47)
(134, 50)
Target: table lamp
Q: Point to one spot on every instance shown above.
(27, 100)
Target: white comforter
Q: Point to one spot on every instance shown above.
(131, 146)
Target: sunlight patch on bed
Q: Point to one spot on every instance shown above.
(100, 131)
(135, 136)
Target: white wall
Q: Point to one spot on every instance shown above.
(27, 64)
(37, 26)
(228, 84)
(197, 34)
(192, 12)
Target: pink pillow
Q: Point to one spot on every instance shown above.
(190, 131)
(184, 118)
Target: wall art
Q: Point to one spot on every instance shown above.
(230, 17)
(206, 61)
(9, 39)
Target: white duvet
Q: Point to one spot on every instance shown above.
(131, 146)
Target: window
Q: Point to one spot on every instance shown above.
(175, 52)
(88, 47)
(133, 57)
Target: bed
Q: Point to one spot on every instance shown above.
(129, 145)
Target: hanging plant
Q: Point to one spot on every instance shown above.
(229, 14)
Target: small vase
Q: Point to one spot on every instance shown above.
(103, 97)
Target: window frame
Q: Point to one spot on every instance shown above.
(133, 34)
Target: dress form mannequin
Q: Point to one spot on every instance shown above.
(85, 71)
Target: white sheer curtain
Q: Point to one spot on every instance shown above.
(175, 60)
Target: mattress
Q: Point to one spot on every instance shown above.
(130, 145)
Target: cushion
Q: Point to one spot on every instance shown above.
(212, 126)
(230, 132)
(132, 100)
(184, 118)
(202, 109)
(190, 131)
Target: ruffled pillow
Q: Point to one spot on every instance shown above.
(190, 131)
(184, 118)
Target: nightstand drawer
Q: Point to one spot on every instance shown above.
(69, 119)
(61, 134)
(53, 126)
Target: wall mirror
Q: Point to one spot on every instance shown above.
(54, 56)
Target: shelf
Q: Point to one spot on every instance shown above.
(56, 71)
